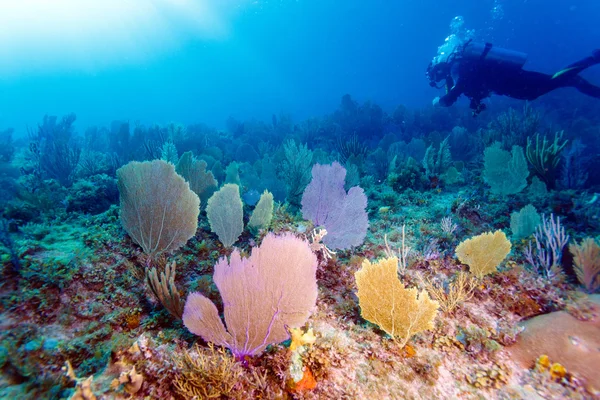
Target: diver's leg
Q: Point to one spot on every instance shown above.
(529, 85)
(585, 87)
(578, 66)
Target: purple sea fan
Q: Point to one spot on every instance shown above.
(326, 203)
(325, 190)
(273, 288)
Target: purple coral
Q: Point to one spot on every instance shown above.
(326, 203)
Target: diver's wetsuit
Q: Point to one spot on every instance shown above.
(477, 79)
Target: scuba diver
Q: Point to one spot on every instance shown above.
(477, 70)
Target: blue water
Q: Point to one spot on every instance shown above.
(249, 59)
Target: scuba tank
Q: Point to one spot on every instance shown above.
(491, 53)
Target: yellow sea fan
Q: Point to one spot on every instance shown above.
(385, 301)
(483, 253)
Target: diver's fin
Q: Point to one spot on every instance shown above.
(580, 65)
(563, 71)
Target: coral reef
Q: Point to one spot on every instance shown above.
(390, 275)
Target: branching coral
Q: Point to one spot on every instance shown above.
(295, 170)
(165, 290)
(213, 373)
(550, 239)
(208, 374)
(455, 293)
(544, 155)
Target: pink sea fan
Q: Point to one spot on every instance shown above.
(275, 287)
(326, 203)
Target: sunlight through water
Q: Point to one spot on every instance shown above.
(41, 35)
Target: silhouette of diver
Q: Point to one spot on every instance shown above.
(477, 70)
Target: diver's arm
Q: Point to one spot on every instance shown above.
(454, 85)
(452, 94)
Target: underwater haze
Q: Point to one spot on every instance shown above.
(299, 199)
(186, 61)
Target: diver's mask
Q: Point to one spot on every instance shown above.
(437, 72)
